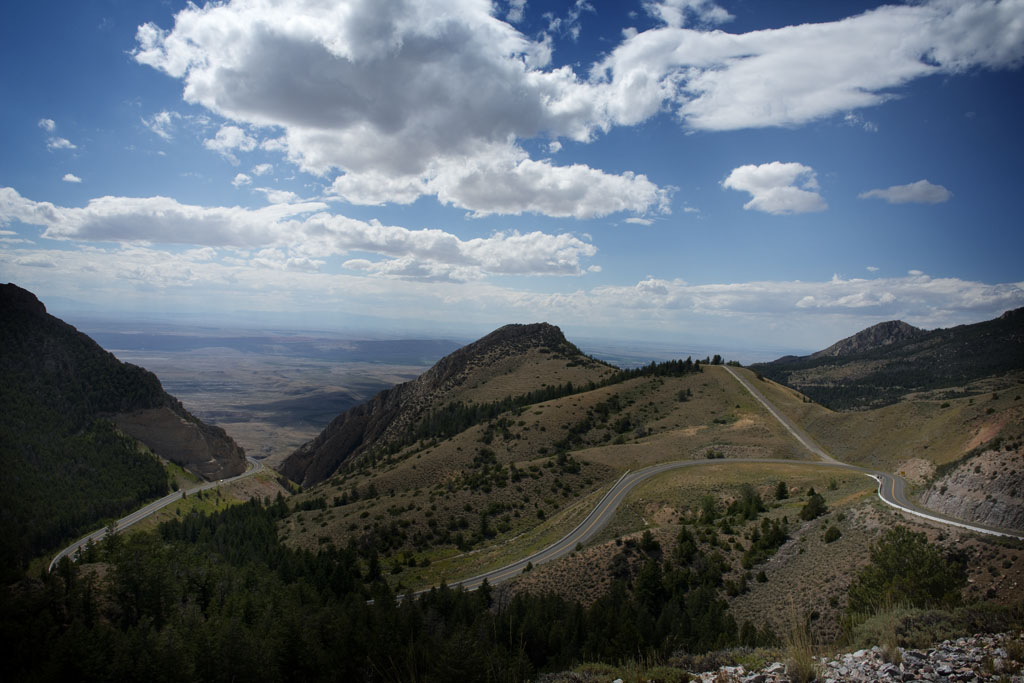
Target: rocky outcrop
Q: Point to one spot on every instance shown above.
(977, 658)
(987, 489)
(62, 381)
(388, 414)
(874, 337)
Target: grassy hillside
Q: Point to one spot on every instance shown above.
(881, 371)
(524, 475)
(928, 428)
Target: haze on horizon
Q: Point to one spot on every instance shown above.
(779, 176)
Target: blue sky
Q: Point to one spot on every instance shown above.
(765, 176)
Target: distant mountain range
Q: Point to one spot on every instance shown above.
(881, 364)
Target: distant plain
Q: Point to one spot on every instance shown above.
(271, 391)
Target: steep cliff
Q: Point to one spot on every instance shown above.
(988, 489)
(62, 381)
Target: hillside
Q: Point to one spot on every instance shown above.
(489, 369)
(66, 466)
(886, 362)
(508, 458)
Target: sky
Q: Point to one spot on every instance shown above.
(761, 175)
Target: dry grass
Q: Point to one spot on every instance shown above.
(800, 664)
(888, 437)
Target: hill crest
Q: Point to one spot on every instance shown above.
(886, 362)
(477, 372)
(874, 337)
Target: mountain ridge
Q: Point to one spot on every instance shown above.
(882, 364)
(74, 377)
(393, 410)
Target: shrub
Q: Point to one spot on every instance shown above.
(833, 534)
(906, 569)
(814, 508)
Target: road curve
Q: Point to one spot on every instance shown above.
(143, 512)
(891, 490)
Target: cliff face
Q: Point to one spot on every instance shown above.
(63, 381)
(988, 489)
(389, 413)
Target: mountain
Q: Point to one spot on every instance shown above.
(66, 466)
(875, 337)
(484, 370)
(884, 363)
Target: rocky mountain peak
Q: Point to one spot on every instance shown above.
(14, 298)
(876, 336)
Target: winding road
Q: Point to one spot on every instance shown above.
(891, 489)
(143, 512)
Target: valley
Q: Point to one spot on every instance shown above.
(677, 506)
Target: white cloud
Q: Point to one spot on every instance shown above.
(262, 169)
(921, 192)
(796, 74)
(858, 121)
(302, 231)
(516, 10)
(455, 86)
(49, 125)
(554, 147)
(635, 220)
(278, 196)
(60, 143)
(872, 269)
(241, 179)
(679, 13)
(454, 89)
(162, 123)
(230, 138)
(506, 181)
(71, 178)
(778, 188)
(35, 261)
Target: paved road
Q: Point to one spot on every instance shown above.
(803, 437)
(140, 514)
(891, 489)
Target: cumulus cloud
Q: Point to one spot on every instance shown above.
(778, 188)
(679, 13)
(302, 231)
(453, 82)
(454, 88)
(71, 178)
(230, 138)
(241, 179)
(60, 143)
(921, 192)
(262, 169)
(636, 220)
(49, 125)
